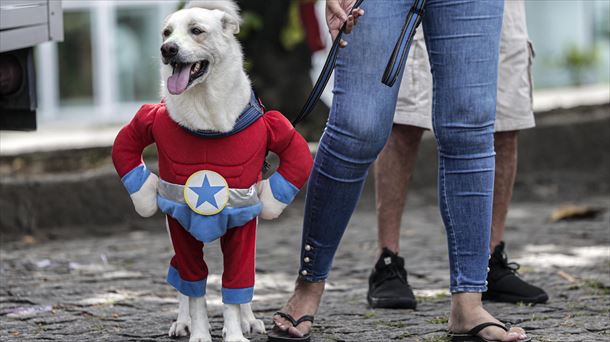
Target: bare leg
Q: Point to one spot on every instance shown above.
(393, 170)
(505, 144)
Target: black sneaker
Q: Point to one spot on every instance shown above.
(504, 285)
(388, 286)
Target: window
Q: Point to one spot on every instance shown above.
(75, 60)
(137, 45)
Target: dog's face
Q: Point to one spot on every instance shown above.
(194, 42)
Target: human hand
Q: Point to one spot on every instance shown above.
(336, 15)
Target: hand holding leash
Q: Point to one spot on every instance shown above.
(338, 19)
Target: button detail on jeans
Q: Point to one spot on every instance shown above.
(488, 269)
(308, 248)
(306, 259)
(486, 283)
(303, 272)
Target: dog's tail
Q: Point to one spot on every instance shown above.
(229, 7)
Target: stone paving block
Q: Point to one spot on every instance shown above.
(111, 287)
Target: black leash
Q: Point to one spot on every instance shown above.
(403, 45)
(394, 68)
(395, 65)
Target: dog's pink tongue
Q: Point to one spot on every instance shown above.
(178, 81)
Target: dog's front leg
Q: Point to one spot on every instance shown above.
(182, 325)
(231, 331)
(249, 323)
(200, 326)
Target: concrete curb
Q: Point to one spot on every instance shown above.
(568, 150)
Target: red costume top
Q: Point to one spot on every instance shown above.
(239, 157)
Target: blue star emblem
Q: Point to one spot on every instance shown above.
(206, 192)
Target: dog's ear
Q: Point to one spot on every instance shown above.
(230, 24)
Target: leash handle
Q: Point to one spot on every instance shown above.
(398, 59)
(327, 70)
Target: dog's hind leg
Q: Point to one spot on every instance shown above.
(249, 323)
(182, 325)
(200, 326)
(231, 332)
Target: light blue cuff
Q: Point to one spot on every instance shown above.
(282, 189)
(237, 296)
(187, 288)
(135, 178)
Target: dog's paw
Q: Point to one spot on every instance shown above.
(201, 338)
(255, 326)
(235, 336)
(179, 329)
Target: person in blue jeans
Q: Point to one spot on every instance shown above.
(462, 38)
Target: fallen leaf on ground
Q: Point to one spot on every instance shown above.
(567, 276)
(574, 212)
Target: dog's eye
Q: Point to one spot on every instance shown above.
(196, 31)
(167, 32)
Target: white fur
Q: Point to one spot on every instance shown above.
(249, 324)
(182, 325)
(145, 199)
(272, 208)
(215, 100)
(231, 332)
(200, 326)
(228, 7)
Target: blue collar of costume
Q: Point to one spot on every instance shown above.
(253, 111)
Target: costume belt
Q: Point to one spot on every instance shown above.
(237, 197)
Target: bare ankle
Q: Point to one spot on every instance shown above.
(391, 247)
(308, 287)
(466, 301)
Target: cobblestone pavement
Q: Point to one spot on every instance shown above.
(84, 286)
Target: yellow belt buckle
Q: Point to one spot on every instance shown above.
(206, 192)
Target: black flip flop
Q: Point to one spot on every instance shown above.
(277, 335)
(473, 334)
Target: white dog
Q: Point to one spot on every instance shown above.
(206, 88)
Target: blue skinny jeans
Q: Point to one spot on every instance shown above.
(462, 39)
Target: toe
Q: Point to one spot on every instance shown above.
(281, 323)
(295, 332)
(518, 332)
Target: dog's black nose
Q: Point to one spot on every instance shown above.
(169, 50)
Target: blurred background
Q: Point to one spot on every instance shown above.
(92, 81)
(107, 64)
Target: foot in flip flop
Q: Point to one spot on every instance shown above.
(294, 321)
(470, 322)
(277, 335)
(473, 335)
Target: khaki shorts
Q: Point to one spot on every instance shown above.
(514, 104)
